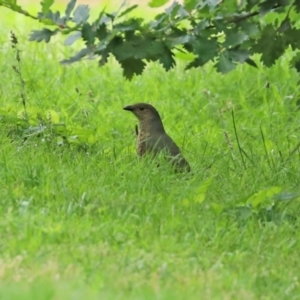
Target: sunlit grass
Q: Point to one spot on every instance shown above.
(98, 223)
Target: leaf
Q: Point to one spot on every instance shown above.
(224, 65)
(70, 8)
(131, 67)
(157, 3)
(234, 39)
(238, 55)
(249, 28)
(205, 49)
(173, 9)
(123, 50)
(251, 62)
(104, 57)
(46, 4)
(297, 6)
(243, 213)
(292, 37)
(52, 116)
(265, 7)
(190, 4)
(286, 196)
(72, 38)
(77, 57)
(179, 40)
(88, 35)
(197, 62)
(154, 49)
(55, 17)
(81, 14)
(111, 17)
(295, 62)
(42, 35)
(217, 208)
(129, 25)
(270, 44)
(167, 60)
(127, 11)
(182, 14)
(159, 21)
(263, 195)
(202, 190)
(251, 4)
(101, 31)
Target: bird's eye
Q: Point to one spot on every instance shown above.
(141, 108)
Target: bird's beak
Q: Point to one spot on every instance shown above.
(128, 108)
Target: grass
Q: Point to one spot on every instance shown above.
(97, 223)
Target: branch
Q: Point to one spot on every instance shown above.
(19, 10)
(240, 18)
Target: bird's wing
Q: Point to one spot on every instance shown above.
(166, 142)
(163, 142)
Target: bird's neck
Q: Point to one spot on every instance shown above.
(152, 126)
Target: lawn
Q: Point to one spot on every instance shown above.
(88, 220)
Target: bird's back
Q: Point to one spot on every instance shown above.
(157, 142)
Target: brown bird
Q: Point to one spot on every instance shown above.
(151, 136)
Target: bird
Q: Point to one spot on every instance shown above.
(152, 138)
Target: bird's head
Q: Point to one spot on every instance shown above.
(143, 111)
(146, 114)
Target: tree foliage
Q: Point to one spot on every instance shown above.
(226, 32)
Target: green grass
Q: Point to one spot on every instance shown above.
(97, 223)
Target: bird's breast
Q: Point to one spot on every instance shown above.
(141, 144)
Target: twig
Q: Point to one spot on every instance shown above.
(237, 140)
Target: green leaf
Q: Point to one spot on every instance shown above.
(263, 195)
(234, 39)
(179, 40)
(123, 50)
(270, 44)
(297, 6)
(154, 49)
(249, 28)
(251, 62)
(243, 213)
(295, 62)
(70, 8)
(128, 10)
(197, 62)
(72, 38)
(131, 67)
(173, 9)
(88, 35)
(55, 18)
(238, 55)
(46, 4)
(167, 60)
(81, 14)
(251, 4)
(42, 35)
(205, 49)
(227, 7)
(132, 24)
(190, 4)
(104, 57)
(225, 64)
(202, 190)
(157, 3)
(201, 25)
(292, 37)
(77, 57)
(101, 31)
(265, 7)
